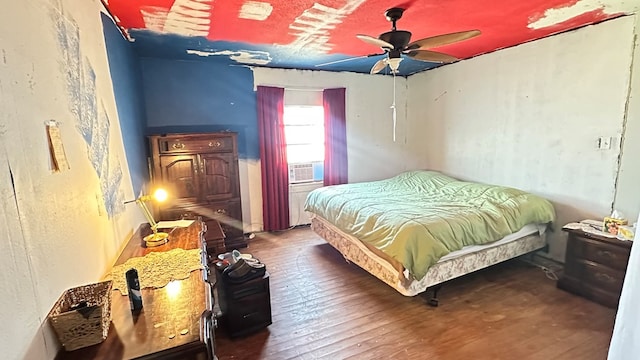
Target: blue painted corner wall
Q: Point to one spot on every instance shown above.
(200, 96)
(127, 90)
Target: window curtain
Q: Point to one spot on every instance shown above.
(273, 158)
(335, 137)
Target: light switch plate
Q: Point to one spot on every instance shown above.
(604, 142)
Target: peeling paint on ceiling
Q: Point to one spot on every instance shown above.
(255, 10)
(305, 33)
(240, 56)
(555, 16)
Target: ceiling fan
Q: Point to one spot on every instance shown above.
(395, 43)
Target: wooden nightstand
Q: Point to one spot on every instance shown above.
(595, 266)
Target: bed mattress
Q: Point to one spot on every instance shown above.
(455, 264)
(417, 217)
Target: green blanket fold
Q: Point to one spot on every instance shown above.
(418, 217)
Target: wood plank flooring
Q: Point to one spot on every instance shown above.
(326, 308)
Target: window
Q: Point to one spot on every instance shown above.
(304, 134)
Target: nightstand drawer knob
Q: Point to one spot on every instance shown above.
(606, 253)
(604, 277)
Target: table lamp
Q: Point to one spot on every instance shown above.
(156, 238)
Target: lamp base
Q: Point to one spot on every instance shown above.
(156, 239)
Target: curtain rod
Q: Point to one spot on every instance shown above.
(303, 89)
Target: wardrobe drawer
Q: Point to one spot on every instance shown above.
(178, 145)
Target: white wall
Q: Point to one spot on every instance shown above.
(624, 342)
(629, 173)
(55, 229)
(372, 153)
(530, 116)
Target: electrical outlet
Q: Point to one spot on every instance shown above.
(604, 142)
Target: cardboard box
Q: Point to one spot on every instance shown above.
(611, 225)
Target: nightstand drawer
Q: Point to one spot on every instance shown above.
(595, 251)
(600, 276)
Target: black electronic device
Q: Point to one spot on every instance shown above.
(135, 295)
(245, 306)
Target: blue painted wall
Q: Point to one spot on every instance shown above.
(127, 89)
(201, 96)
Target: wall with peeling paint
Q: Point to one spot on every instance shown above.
(624, 341)
(124, 68)
(530, 117)
(58, 229)
(629, 172)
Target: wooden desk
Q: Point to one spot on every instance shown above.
(155, 333)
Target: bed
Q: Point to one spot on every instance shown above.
(421, 228)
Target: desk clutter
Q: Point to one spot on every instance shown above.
(243, 293)
(157, 269)
(238, 268)
(610, 228)
(175, 316)
(82, 315)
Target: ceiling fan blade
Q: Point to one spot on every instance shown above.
(431, 56)
(348, 59)
(378, 66)
(440, 40)
(375, 41)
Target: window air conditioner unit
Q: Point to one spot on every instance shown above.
(300, 173)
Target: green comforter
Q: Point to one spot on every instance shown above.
(419, 216)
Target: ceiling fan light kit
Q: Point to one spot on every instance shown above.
(394, 64)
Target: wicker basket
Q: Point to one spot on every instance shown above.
(87, 325)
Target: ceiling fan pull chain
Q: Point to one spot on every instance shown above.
(393, 107)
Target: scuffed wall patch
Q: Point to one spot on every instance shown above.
(110, 171)
(559, 15)
(80, 81)
(98, 148)
(241, 56)
(69, 44)
(88, 102)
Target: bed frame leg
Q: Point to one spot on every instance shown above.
(433, 301)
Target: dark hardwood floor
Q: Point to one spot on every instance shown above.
(324, 307)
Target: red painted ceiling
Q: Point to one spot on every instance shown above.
(310, 29)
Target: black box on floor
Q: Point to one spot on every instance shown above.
(245, 307)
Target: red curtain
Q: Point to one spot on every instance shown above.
(273, 159)
(335, 137)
